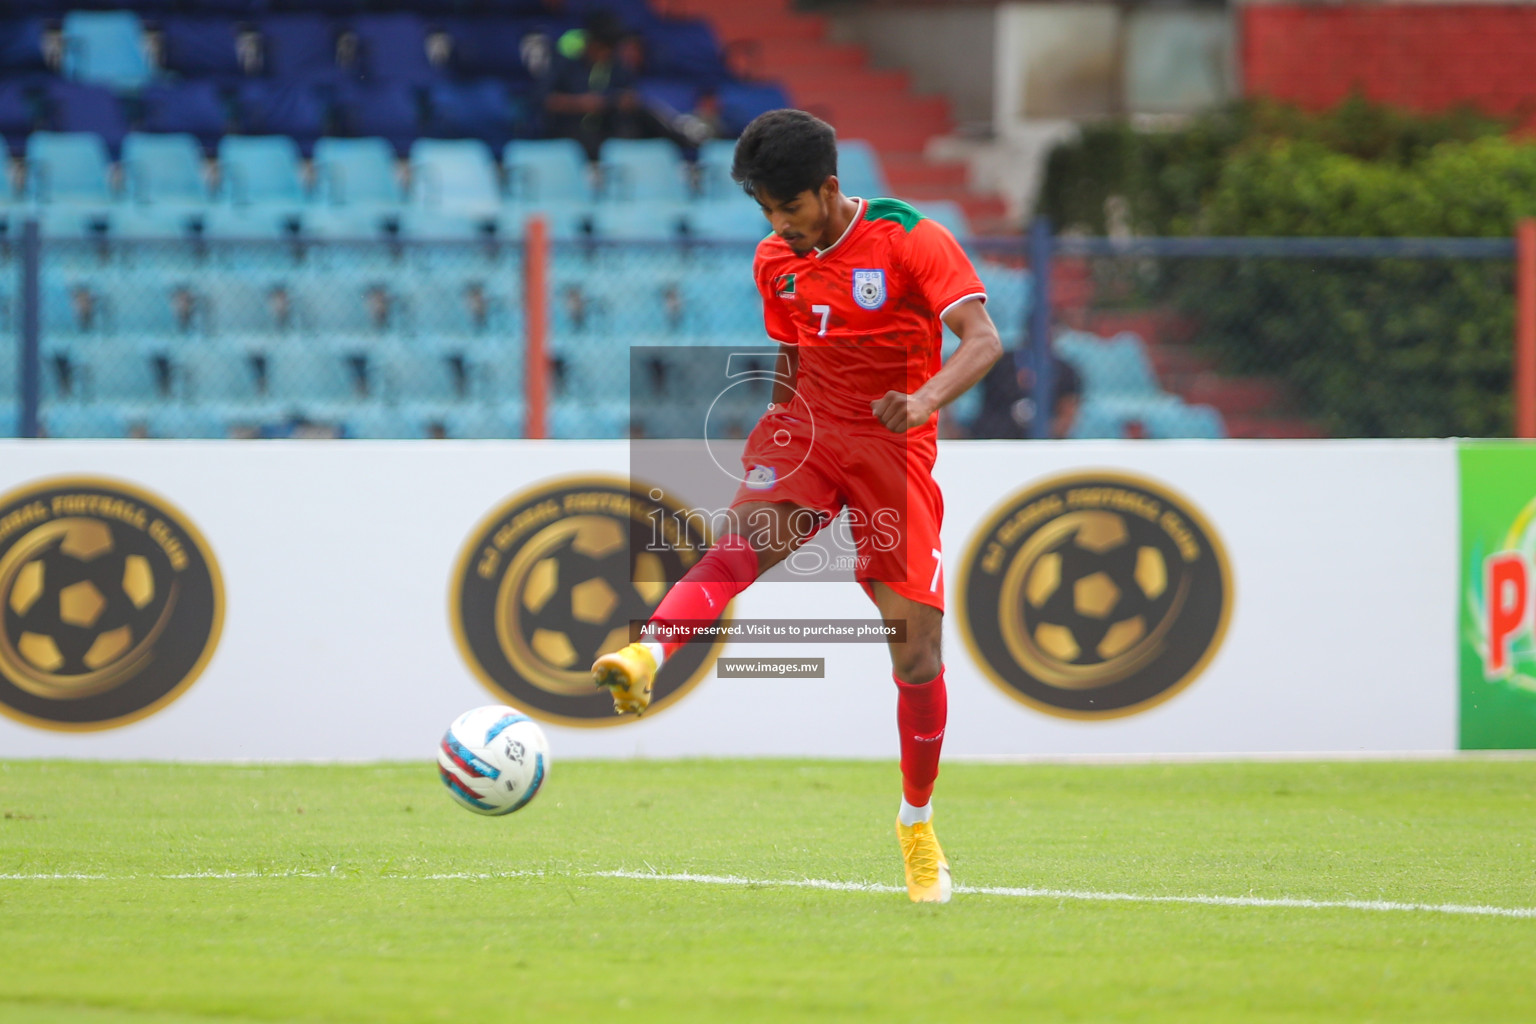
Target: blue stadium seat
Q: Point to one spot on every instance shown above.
(297, 109)
(643, 171)
(393, 48)
(669, 96)
(76, 107)
(21, 45)
(1115, 366)
(200, 47)
(106, 48)
(195, 107)
(1176, 419)
(858, 170)
(387, 109)
(442, 309)
(478, 109)
(18, 116)
(684, 48)
(10, 418)
(547, 171)
(261, 170)
(714, 170)
(379, 421)
(163, 169)
(84, 421)
(218, 373)
(571, 419)
(489, 47)
(741, 102)
(186, 421)
(299, 47)
(413, 375)
(356, 172)
(736, 219)
(454, 176)
(299, 373)
(505, 419)
(638, 222)
(565, 222)
(1009, 297)
(67, 167)
(243, 304)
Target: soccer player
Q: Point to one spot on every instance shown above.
(856, 292)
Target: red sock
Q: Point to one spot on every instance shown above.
(726, 570)
(921, 711)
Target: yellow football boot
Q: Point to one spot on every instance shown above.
(927, 870)
(628, 674)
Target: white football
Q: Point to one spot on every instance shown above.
(493, 759)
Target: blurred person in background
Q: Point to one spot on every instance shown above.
(1008, 400)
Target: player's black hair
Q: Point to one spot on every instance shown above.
(783, 153)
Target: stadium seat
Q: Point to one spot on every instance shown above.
(858, 170)
(478, 109)
(741, 102)
(21, 45)
(67, 167)
(454, 176)
(195, 107)
(638, 222)
(565, 222)
(571, 419)
(219, 373)
(392, 48)
(163, 169)
(261, 171)
(642, 171)
(59, 419)
(669, 97)
(1009, 297)
(299, 48)
(504, 419)
(77, 107)
(294, 108)
(542, 172)
(736, 219)
(106, 48)
(185, 421)
(18, 116)
(387, 109)
(200, 47)
(356, 172)
(1175, 419)
(684, 48)
(489, 47)
(714, 170)
(1115, 366)
(413, 375)
(299, 373)
(379, 421)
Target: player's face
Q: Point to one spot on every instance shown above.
(800, 221)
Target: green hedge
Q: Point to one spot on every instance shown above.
(1369, 347)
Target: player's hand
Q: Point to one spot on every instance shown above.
(900, 413)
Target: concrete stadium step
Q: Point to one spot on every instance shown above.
(908, 171)
(785, 56)
(732, 28)
(831, 81)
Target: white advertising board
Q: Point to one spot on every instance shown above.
(1331, 628)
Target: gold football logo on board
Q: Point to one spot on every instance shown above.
(556, 576)
(111, 604)
(1095, 595)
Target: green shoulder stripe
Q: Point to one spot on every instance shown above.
(894, 210)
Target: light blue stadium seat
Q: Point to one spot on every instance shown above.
(83, 421)
(717, 308)
(158, 223)
(1009, 297)
(164, 169)
(383, 422)
(10, 419)
(106, 48)
(449, 307)
(413, 375)
(858, 170)
(118, 371)
(300, 373)
(1180, 420)
(141, 307)
(505, 419)
(733, 219)
(714, 171)
(218, 373)
(1115, 366)
(456, 176)
(655, 221)
(564, 222)
(261, 171)
(67, 167)
(356, 172)
(949, 213)
(541, 172)
(642, 171)
(186, 421)
(570, 419)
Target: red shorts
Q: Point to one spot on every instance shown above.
(884, 479)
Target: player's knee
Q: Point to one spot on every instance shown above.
(917, 662)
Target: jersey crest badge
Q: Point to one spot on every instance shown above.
(784, 286)
(761, 478)
(869, 288)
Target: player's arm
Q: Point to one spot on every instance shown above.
(980, 347)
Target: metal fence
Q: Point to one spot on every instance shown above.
(1148, 337)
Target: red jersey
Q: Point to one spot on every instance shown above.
(866, 312)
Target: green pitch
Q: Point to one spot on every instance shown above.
(342, 894)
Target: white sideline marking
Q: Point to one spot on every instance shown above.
(1016, 892)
